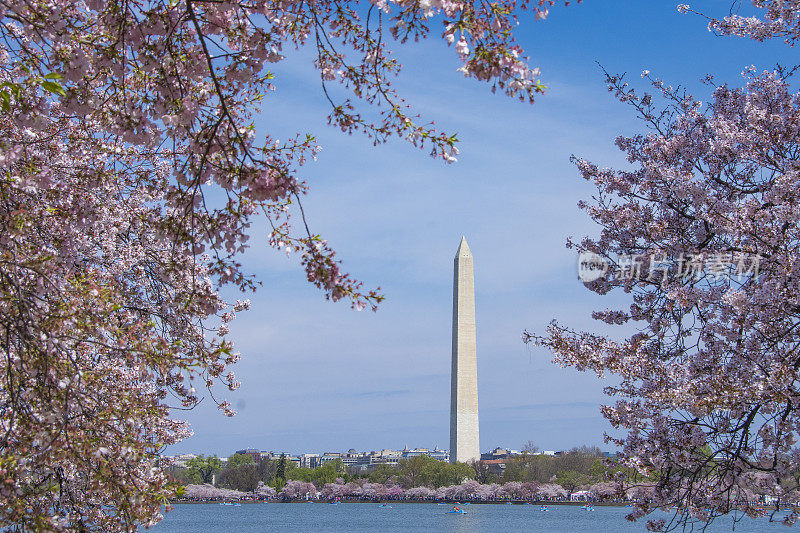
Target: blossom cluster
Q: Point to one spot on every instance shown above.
(706, 370)
(131, 173)
(781, 19)
(468, 490)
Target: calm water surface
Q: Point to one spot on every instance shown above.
(361, 517)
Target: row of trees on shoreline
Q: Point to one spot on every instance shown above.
(364, 490)
(580, 467)
(582, 473)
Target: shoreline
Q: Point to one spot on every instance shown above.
(393, 502)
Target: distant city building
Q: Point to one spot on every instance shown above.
(252, 452)
(389, 457)
(436, 453)
(182, 459)
(497, 453)
(440, 455)
(364, 462)
(309, 460)
(328, 457)
(495, 466)
(270, 455)
(354, 459)
(275, 456)
(295, 459)
(496, 460)
(416, 452)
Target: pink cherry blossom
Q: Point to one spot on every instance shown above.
(131, 173)
(705, 371)
(778, 18)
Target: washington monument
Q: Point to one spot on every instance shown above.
(464, 373)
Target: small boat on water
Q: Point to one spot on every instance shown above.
(456, 510)
(384, 506)
(231, 503)
(543, 508)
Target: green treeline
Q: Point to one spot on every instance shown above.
(579, 466)
(422, 471)
(572, 469)
(240, 472)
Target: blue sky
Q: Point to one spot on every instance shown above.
(317, 376)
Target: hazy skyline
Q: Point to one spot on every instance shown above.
(318, 376)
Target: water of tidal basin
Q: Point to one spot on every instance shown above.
(403, 517)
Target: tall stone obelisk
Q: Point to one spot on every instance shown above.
(464, 373)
